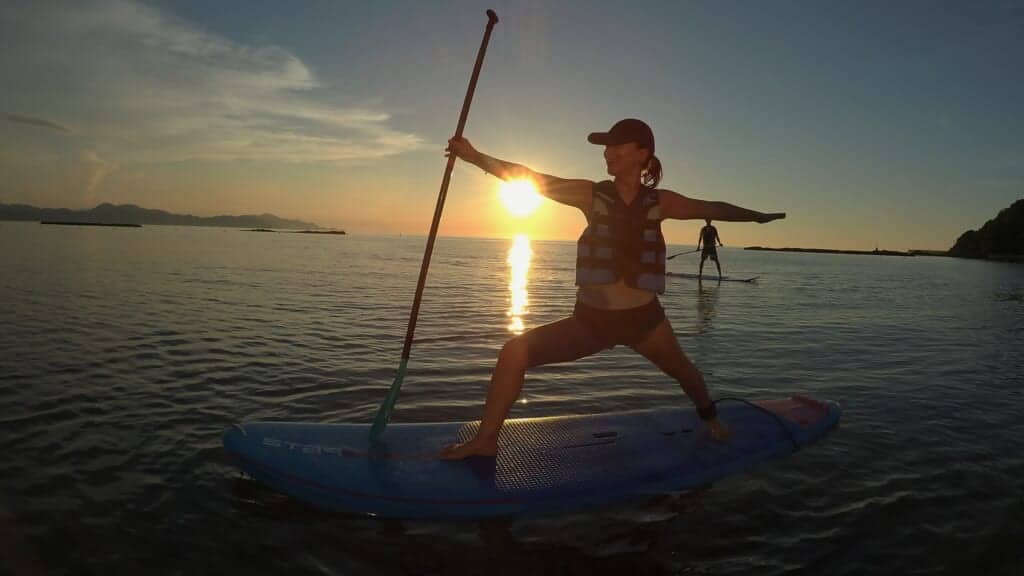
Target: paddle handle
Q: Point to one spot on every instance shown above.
(384, 412)
(492, 19)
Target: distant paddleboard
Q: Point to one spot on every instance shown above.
(710, 278)
(542, 465)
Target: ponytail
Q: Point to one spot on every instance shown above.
(650, 176)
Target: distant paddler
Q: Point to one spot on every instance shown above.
(709, 238)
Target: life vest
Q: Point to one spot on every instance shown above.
(622, 241)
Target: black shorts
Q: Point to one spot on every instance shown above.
(628, 327)
(712, 253)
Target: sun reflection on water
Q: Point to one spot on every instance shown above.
(519, 256)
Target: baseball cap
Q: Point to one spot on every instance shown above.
(628, 130)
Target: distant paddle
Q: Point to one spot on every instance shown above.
(384, 412)
(682, 253)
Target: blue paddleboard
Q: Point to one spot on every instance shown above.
(543, 464)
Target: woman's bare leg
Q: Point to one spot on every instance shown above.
(662, 349)
(561, 341)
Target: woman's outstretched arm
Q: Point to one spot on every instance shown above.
(573, 192)
(680, 207)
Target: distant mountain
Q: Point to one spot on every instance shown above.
(1001, 238)
(132, 214)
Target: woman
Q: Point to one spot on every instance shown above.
(620, 269)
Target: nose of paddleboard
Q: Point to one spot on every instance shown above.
(234, 439)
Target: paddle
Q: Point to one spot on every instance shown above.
(682, 253)
(384, 412)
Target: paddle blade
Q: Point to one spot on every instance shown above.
(384, 412)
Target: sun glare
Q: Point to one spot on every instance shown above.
(520, 197)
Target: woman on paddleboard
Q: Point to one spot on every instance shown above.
(620, 270)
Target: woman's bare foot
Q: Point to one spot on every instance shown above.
(719, 431)
(474, 447)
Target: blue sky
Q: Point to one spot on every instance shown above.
(889, 124)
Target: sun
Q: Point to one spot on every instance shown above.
(520, 197)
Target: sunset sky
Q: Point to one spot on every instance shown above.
(870, 123)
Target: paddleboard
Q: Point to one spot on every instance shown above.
(710, 278)
(543, 464)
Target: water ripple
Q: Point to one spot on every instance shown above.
(121, 363)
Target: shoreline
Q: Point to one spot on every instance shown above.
(335, 232)
(875, 252)
(71, 223)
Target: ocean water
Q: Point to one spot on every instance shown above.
(125, 352)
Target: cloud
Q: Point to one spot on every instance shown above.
(98, 169)
(41, 122)
(144, 86)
